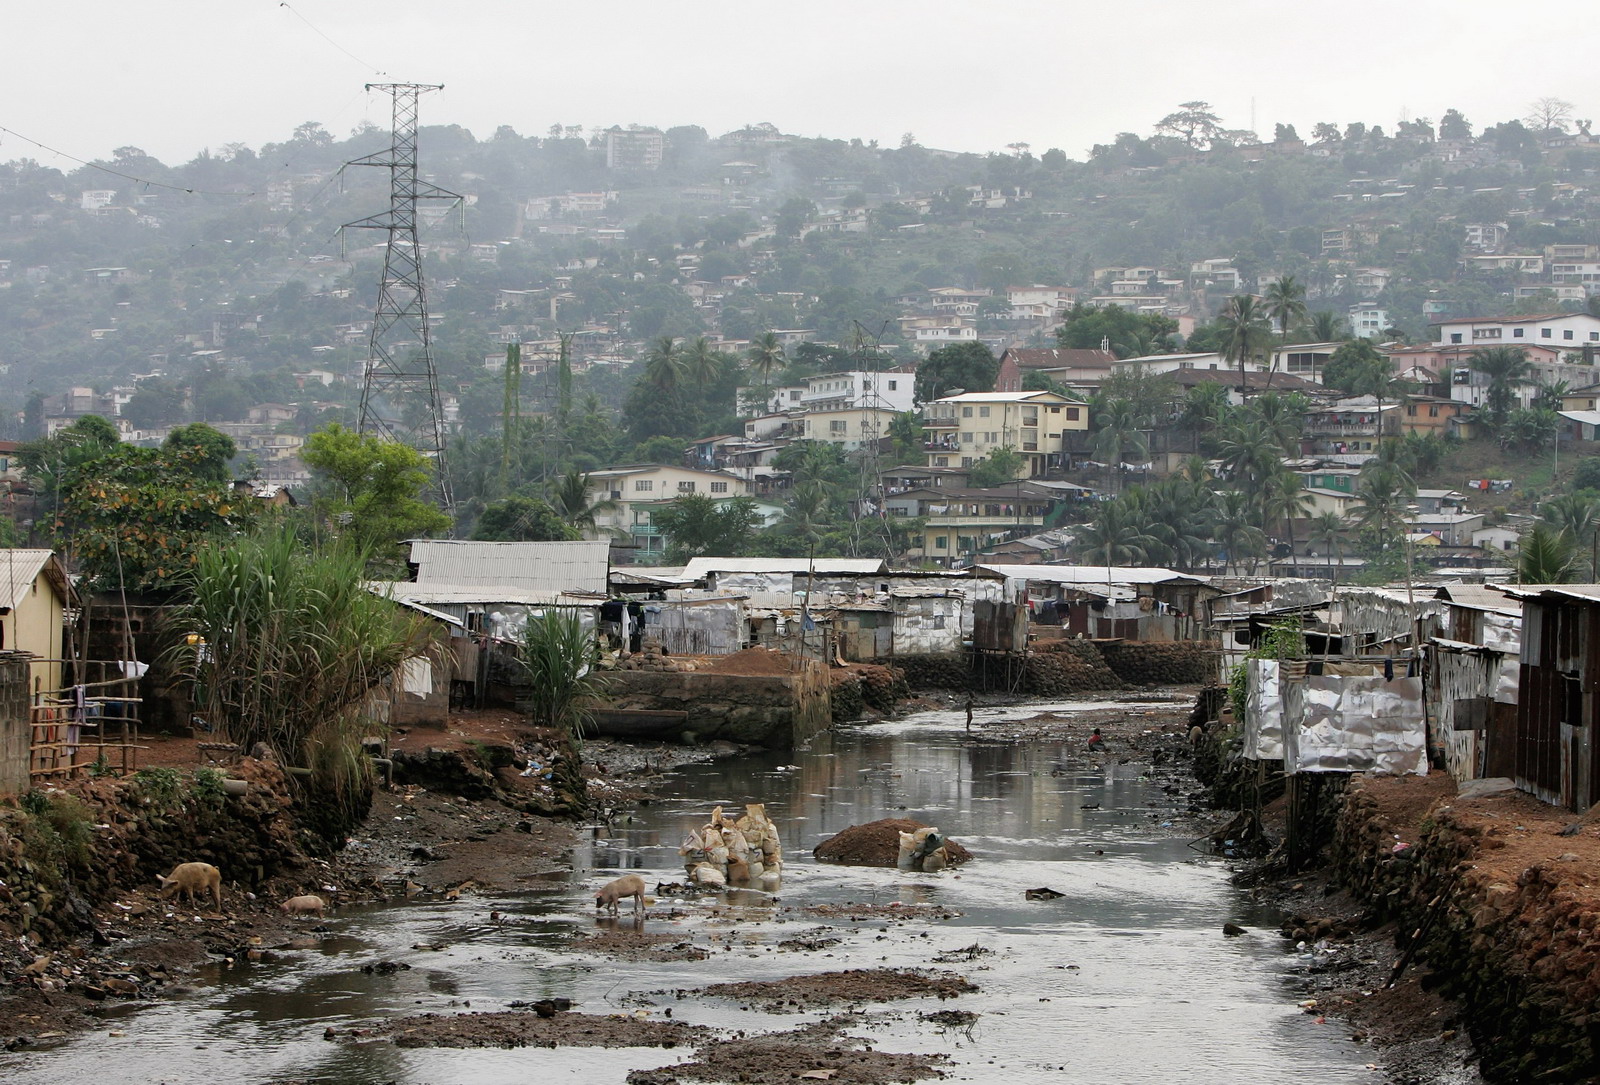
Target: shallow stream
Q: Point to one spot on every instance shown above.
(1125, 978)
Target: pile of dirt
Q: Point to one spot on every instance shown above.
(521, 1028)
(800, 993)
(819, 1052)
(755, 661)
(877, 843)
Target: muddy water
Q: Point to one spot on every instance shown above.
(1126, 978)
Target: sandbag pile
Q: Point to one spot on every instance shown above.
(743, 852)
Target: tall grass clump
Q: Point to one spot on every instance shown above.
(291, 648)
(559, 658)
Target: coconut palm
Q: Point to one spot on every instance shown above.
(663, 364)
(1325, 327)
(1546, 556)
(1237, 532)
(569, 496)
(766, 357)
(1286, 303)
(1121, 438)
(1504, 366)
(1244, 331)
(702, 363)
(1116, 536)
(808, 513)
(1205, 409)
(1284, 498)
(1577, 518)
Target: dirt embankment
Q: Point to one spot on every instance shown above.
(1457, 934)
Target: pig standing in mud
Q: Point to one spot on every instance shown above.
(629, 885)
(192, 879)
(306, 905)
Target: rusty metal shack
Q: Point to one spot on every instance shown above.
(1556, 754)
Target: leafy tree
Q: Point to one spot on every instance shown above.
(1193, 122)
(369, 490)
(137, 517)
(1548, 115)
(1004, 464)
(696, 525)
(1351, 366)
(522, 519)
(49, 460)
(210, 450)
(906, 438)
(972, 367)
(1284, 133)
(1454, 126)
(1090, 327)
(1586, 475)
(156, 402)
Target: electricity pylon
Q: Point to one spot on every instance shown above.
(400, 384)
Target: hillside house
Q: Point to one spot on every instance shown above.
(961, 430)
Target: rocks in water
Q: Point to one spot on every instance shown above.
(1232, 930)
(1042, 893)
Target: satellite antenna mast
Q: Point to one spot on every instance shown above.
(400, 384)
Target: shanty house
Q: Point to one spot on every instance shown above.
(34, 596)
(1131, 603)
(1473, 664)
(1556, 755)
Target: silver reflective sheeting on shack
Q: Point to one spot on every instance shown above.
(1359, 724)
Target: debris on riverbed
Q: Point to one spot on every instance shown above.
(638, 945)
(815, 1052)
(524, 1028)
(799, 993)
(744, 852)
(877, 843)
(856, 911)
(1042, 893)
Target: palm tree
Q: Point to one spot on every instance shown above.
(1244, 328)
(701, 362)
(1116, 536)
(569, 496)
(1282, 418)
(1286, 303)
(808, 512)
(1324, 327)
(767, 357)
(1284, 498)
(1383, 507)
(1546, 556)
(663, 365)
(1504, 366)
(1250, 455)
(1237, 531)
(1327, 533)
(1121, 438)
(1577, 518)
(1205, 408)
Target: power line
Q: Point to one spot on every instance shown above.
(318, 32)
(119, 173)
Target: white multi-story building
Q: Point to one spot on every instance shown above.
(1563, 331)
(961, 430)
(891, 389)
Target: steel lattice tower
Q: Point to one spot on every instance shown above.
(400, 386)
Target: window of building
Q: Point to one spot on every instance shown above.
(719, 487)
(1516, 333)
(1072, 414)
(686, 487)
(966, 412)
(983, 412)
(836, 426)
(1455, 337)
(1544, 333)
(643, 485)
(941, 542)
(893, 385)
(941, 461)
(968, 437)
(1566, 333)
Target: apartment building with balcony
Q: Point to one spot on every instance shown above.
(1349, 430)
(960, 430)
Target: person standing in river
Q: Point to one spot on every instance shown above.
(1097, 741)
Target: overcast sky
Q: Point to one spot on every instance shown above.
(175, 76)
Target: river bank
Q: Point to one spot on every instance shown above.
(496, 902)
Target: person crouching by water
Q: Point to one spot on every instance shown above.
(1097, 741)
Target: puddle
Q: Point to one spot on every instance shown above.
(1125, 977)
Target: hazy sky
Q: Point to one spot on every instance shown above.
(176, 76)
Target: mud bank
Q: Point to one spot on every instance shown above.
(1500, 908)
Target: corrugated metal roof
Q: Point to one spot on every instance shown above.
(1479, 597)
(1092, 574)
(534, 566)
(437, 595)
(18, 570)
(699, 567)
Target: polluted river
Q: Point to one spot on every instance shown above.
(1125, 977)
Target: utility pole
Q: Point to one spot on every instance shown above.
(400, 384)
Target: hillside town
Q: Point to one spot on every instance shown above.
(776, 583)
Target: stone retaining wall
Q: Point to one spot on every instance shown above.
(1521, 956)
(775, 711)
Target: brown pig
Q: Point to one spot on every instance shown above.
(193, 879)
(306, 905)
(629, 885)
